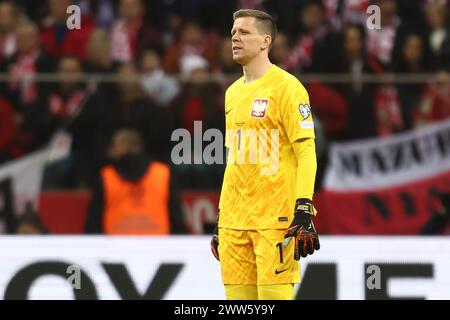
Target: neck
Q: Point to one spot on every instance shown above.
(29, 51)
(414, 67)
(256, 68)
(132, 22)
(353, 56)
(388, 20)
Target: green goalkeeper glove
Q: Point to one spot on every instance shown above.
(302, 230)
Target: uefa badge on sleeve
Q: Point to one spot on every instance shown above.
(259, 108)
(304, 110)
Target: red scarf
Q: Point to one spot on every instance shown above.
(22, 76)
(63, 109)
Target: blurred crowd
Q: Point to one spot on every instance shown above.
(163, 54)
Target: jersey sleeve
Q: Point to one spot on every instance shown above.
(295, 112)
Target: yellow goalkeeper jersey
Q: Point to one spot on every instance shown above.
(263, 118)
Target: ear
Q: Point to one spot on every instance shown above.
(267, 42)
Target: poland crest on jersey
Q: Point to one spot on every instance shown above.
(259, 108)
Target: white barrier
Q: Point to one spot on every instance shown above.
(183, 268)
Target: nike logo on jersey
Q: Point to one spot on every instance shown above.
(279, 271)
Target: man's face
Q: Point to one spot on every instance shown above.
(7, 18)
(149, 62)
(69, 69)
(353, 43)
(226, 52)
(130, 85)
(311, 17)
(280, 50)
(27, 39)
(130, 10)
(388, 7)
(58, 9)
(247, 42)
(192, 34)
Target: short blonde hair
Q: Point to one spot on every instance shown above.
(265, 20)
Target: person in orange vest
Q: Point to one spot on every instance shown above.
(134, 195)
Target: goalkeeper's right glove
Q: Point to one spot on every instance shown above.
(215, 242)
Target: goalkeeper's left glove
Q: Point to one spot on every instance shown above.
(302, 230)
(215, 241)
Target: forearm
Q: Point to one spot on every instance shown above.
(305, 151)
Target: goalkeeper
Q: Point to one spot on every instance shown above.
(265, 214)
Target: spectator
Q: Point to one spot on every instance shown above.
(193, 41)
(414, 59)
(346, 109)
(131, 34)
(381, 42)
(438, 34)
(57, 39)
(26, 62)
(385, 44)
(157, 85)
(314, 40)
(72, 108)
(355, 61)
(435, 102)
(98, 57)
(280, 50)
(172, 30)
(24, 93)
(135, 195)
(66, 97)
(128, 106)
(199, 100)
(227, 65)
(9, 18)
